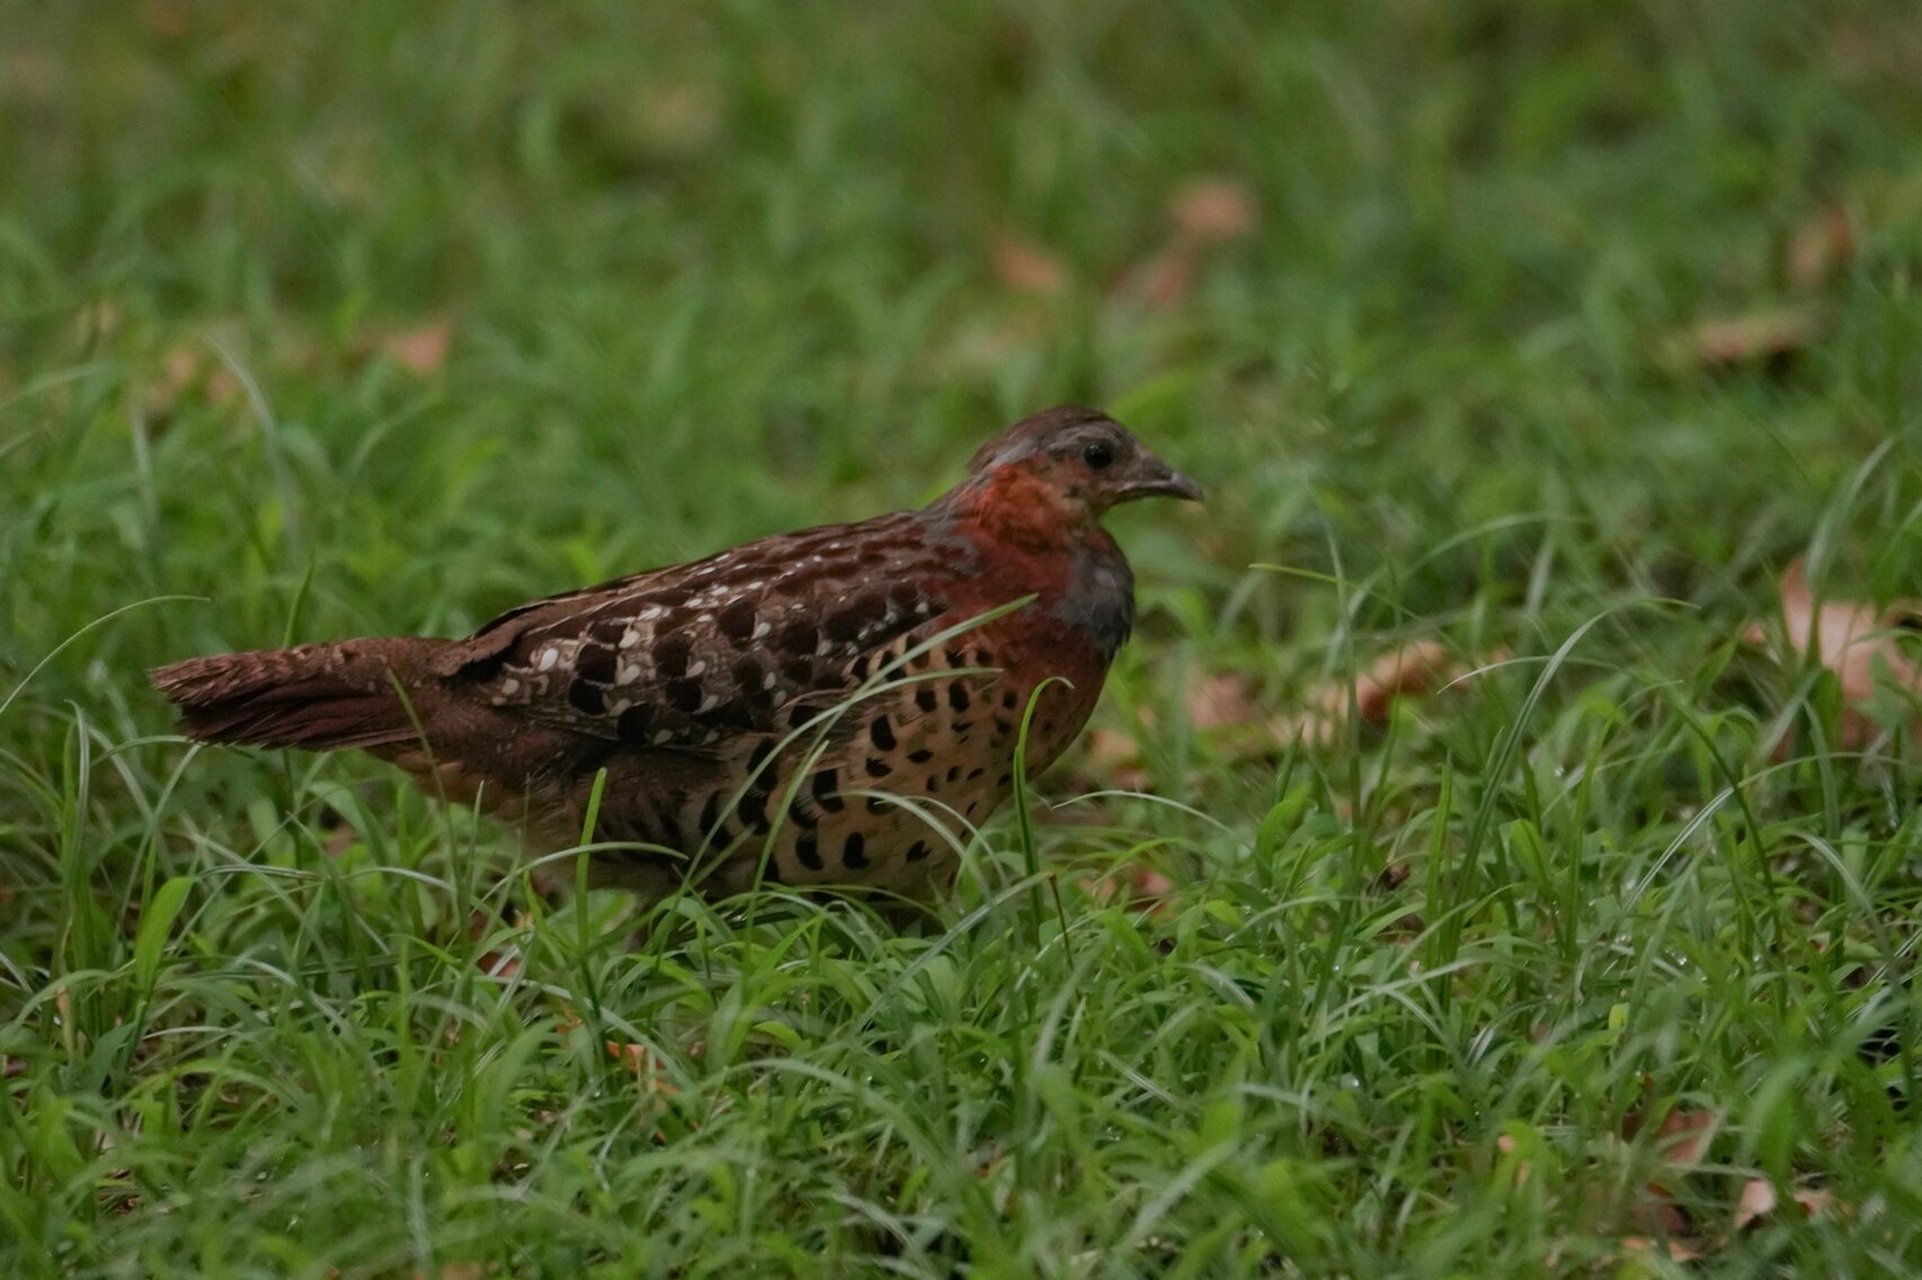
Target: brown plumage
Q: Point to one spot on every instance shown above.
(821, 707)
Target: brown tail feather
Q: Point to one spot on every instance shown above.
(323, 697)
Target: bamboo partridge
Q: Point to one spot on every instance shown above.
(821, 707)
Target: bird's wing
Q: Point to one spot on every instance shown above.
(686, 657)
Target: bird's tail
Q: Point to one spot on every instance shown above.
(322, 697)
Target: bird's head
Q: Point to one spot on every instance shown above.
(1080, 461)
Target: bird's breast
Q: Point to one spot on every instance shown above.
(1098, 601)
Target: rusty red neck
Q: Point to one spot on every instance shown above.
(1043, 540)
(1022, 511)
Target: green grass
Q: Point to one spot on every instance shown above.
(714, 273)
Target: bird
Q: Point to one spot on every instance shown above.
(828, 708)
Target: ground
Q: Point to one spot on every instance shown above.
(360, 319)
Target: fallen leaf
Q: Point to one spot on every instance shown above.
(1163, 279)
(421, 349)
(1821, 247)
(1854, 640)
(1675, 1249)
(1203, 214)
(1409, 924)
(1025, 267)
(1523, 1168)
(502, 961)
(1757, 1201)
(1225, 706)
(1220, 700)
(1814, 1201)
(982, 346)
(1412, 670)
(1216, 701)
(1684, 1134)
(1213, 210)
(1768, 336)
(1393, 875)
(1681, 1140)
(1114, 756)
(1136, 885)
(644, 1064)
(190, 371)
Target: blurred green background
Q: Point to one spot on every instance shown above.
(711, 273)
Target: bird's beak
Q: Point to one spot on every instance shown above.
(1163, 481)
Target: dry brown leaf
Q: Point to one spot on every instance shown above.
(421, 349)
(503, 961)
(1523, 1168)
(1217, 701)
(190, 370)
(1681, 1141)
(1202, 214)
(644, 1064)
(504, 965)
(1758, 337)
(1213, 210)
(1221, 699)
(1114, 755)
(1409, 671)
(1163, 279)
(985, 344)
(1393, 875)
(1226, 705)
(1675, 1249)
(1854, 640)
(1757, 1201)
(1025, 267)
(1821, 247)
(1412, 670)
(1814, 1201)
(1409, 924)
(1684, 1135)
(1136, 885)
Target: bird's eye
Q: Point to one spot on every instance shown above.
(1097, 454)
